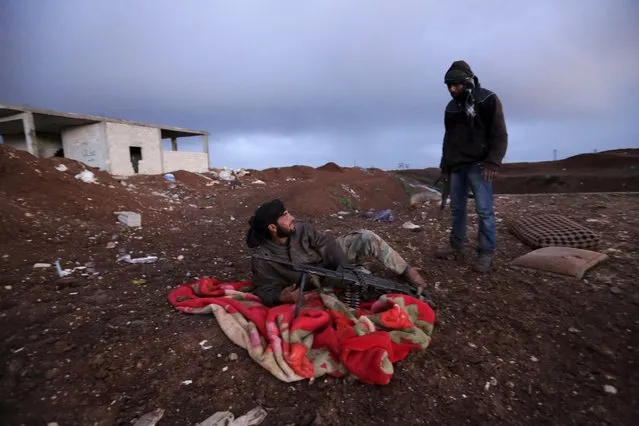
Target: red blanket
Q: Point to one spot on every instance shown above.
(326, 338)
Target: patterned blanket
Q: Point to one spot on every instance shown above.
(326, 338)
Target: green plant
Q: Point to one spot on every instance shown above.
(346, 203)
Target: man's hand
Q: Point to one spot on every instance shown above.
(489, 173)
(289, 295)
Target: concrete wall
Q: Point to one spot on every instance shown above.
(122, 136)
(182, 160)
(48, 143)
(86, 144)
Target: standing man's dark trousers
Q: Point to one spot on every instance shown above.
(460, 180)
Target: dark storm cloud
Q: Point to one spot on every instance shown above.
(353, 82)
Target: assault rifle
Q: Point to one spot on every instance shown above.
(445, 191)
(356, 283)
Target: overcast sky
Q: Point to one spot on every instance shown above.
(280, 82)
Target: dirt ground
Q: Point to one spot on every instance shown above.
(102, 348)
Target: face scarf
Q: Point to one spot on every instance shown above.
(460, 72)
(265, 215)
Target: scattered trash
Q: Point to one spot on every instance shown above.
(169, 177)
(86, 176)
(226, 175)
(224, 369)
(150, 419)
(411, 226)
(60, 271)
(148, 259)
(225, 418)
(491, 382)
(534, 359)
(380, 216)
(130, 219)
(232, 357)
(187, 382)
(204, 345)
(424, 196)
(180, 257)
(111, 244)
(610, 389)
(138, 282)
(259, 182)
(41, 265)
(61, 168)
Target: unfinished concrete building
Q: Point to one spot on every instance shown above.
(119, 147)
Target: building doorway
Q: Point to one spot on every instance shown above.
(135, 152)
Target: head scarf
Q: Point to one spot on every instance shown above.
(265, 215)
(461, 73)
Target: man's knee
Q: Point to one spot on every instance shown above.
(484, 208)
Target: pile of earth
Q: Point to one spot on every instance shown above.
(607, 171)
(39, 194)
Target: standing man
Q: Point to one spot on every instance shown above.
(475, 142)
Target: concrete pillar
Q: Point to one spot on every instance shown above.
(205, 145)
(173, 143)
(30, 134)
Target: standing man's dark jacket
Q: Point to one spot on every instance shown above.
(482, 138)
(307, 245)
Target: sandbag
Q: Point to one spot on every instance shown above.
(567, 261)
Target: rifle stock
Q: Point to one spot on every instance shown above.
(445, 190)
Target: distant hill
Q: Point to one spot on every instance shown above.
(607, 171)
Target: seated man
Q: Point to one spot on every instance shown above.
(275, 233)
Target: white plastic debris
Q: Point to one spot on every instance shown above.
(226, 175)
(204, 345)
(259, 182)
(150, 419)
(61, 168)
(86, 176)
(225, 418)
(147, 259)
(41, 265)
(62, 272)
(411, 226)
(610, 389)
(187, 382)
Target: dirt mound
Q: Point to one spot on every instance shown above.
(36, 197)
(608, 171)
(320, 193)
(293, 172)
(330, 167)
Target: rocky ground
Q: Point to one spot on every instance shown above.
(104, 346)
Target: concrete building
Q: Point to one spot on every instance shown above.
(119, 147)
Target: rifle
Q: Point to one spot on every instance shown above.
(355, 282)
(445, 191)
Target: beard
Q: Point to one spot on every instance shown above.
(284, 233)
